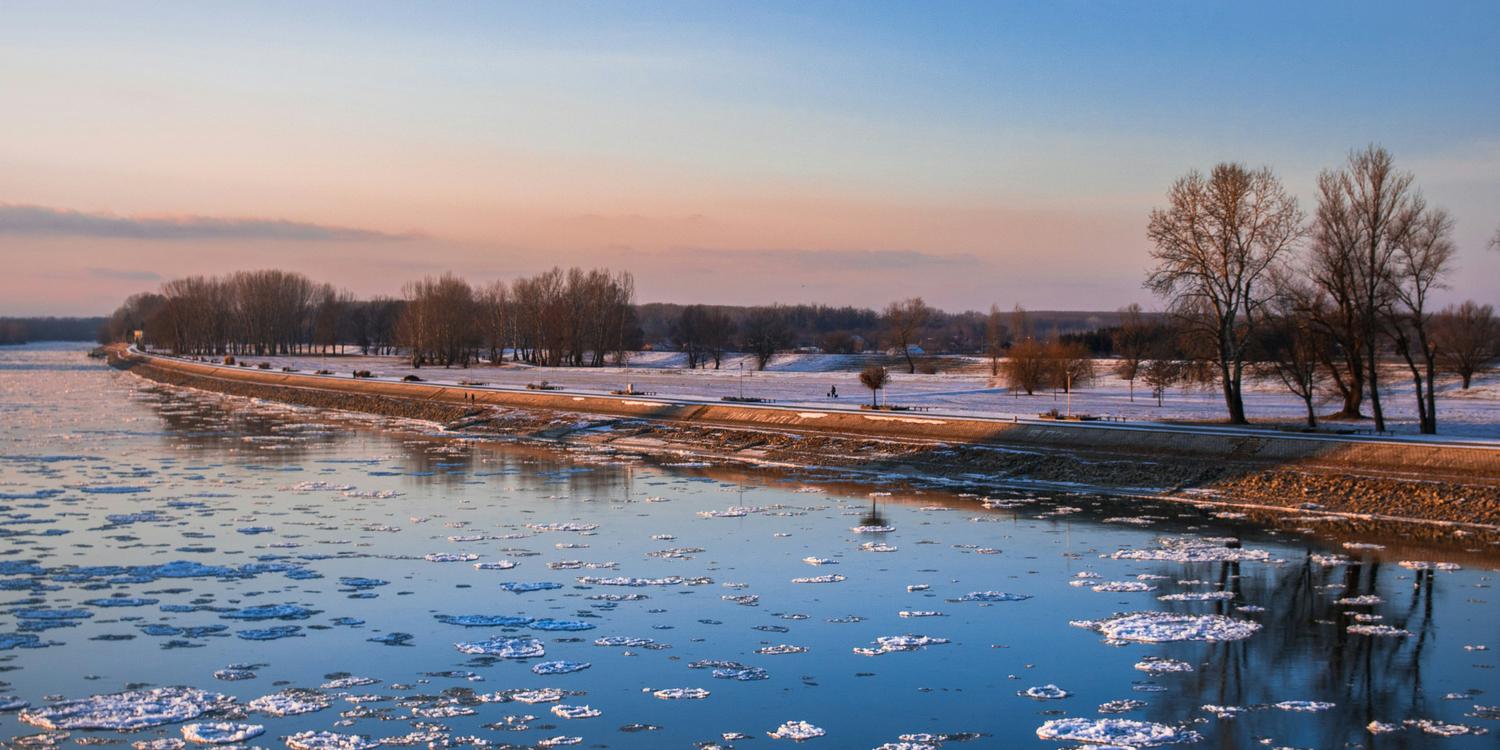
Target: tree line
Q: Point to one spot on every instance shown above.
(1253, 284)
(560, 317)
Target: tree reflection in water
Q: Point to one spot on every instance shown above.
(1305, 652)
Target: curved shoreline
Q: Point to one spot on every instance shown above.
(1377, 480)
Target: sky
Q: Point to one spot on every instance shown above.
(732, 153)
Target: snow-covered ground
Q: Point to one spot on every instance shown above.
(805, 380)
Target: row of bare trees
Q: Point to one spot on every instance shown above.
(572, 317)
(1254, 284)
(557, 318)
(248, 312)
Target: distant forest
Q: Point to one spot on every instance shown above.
(26, 330)
(560, 317)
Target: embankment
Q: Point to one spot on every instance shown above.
(1444, 482)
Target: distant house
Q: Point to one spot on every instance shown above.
(914, 350)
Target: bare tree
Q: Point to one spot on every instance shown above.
(1214, 245)
(440, 321)
(1367, 209)
(1130, 341)
(994, 338)
(765, 333)
(904, 322)
(1421, 262)
(1466, 337)
(1070, 365)
(1292, 344)
(874, 377)
(1026, 366)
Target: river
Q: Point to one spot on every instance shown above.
(174, 559)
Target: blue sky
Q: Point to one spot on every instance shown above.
(1022, 144)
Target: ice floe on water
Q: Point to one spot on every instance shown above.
(1194, 550)
(221, 732)
(1303, 706)
(127, 711)
(559, 667)
(290, 703)
(680, 694)
(329, 741)
(993, 596)
(1163, 627)
(563, 711)
(1115, 732)
(796, 730)
(1162, 665)
(830, 578)
(504, 648)
(1048, 692)
(1386, 631)
(887, 644)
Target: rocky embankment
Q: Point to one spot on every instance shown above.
(1257, 487)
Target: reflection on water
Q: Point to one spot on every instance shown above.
(151, 537)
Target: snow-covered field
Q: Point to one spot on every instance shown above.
(806, 379)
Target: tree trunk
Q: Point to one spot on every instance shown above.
(1374, 382)
(1312, 416)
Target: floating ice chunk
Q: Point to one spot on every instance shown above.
(680, 694)
(576, 712)
(1329, 561)
(1193, 549)
(271, 612)
(484, 621)
(270, 634)
(830, 578)
(1122, 587)
(290, 703)
(121, 601)
(625, 641)
(160, 743)
(505, 648)
(919, 613)
(446, 557)
(1162, 627)
(1443, 729)
(819, 561)
(12, 703)
(1303, 706)
(518, 587)
(328, 741)
(872, 529)
(562, 526)
(1162, 665)
(1362, 545)
(993, 596)
(877, 547)
(1380, 727)
(1378, 630)
(533, 697)
(559, 667)
(127, 711)
(1360, 601)
(1223, 712)
(560, 741)
(1426, 565)
(630, 581)
(1117, 732)
(891, 643)
(495, 565)
(1047, 692)
(220, 732)
(53, 614)
(560, 625)
(1121, 706)
(796, 730)
(344, 683)
(781, 649)
(1198, 596)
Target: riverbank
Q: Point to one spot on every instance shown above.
(1267, 474)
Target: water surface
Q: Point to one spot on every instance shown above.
(154, 537)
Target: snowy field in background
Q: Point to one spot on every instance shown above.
(805, 380)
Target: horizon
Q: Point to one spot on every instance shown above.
(837, 154)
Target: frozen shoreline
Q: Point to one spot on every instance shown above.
(1185, 466)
